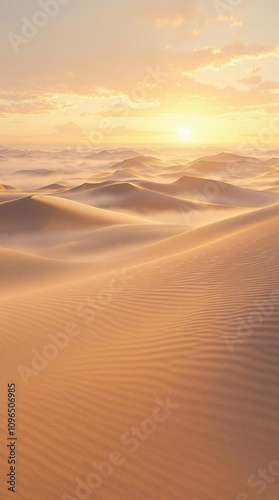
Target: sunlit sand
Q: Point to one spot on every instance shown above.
(129, 277)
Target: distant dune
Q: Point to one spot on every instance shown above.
(6, 187)
(227, 166)
(125, 174)
(141, 164)
(53, 187)
(127, 196)
(32, 172)
(110, 155)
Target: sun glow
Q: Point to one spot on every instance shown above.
(184, 134)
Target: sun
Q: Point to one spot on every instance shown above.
(184, 134)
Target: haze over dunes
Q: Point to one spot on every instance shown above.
(140, 288)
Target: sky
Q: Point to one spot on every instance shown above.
(139, 71)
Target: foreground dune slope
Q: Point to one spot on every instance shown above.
(193, 238)
(22, 272)
(114, 242)
(178, 327)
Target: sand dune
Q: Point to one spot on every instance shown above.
(109, 246)
(142, 164)
(228, 157)
(32, 172)
(22, 272)
(194, 238)
(213, 191)
(110, 155)
(53, 187)
(9, 188)
(126, 332)
(127, 196)
(39, 213)
(125, 174)
(273, 172)
(131, 199)
(12, 152)
(225, 170)
(226, 166)
(160, 340)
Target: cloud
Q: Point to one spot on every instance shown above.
(117, 41)
(252, 70)
(188, 96)
(70, 129)
(236, 22)
(124, 131)
(252, 81)
(258, 82)
(27, 106)
(209, 57)
(126, 110)
(180, 19)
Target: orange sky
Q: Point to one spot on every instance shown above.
(157, 71)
